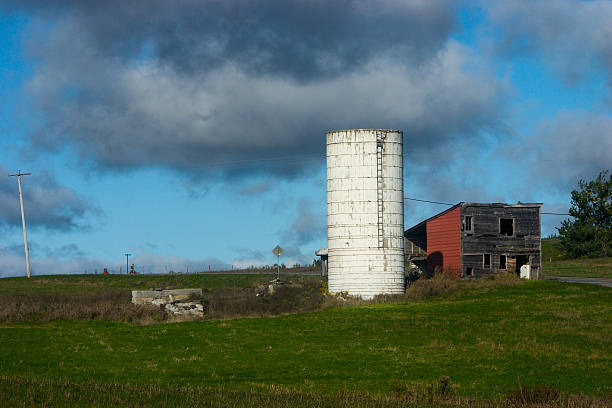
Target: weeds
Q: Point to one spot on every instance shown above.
(110, 305)
(291, 298)
(525, 395)
(115, 305)
(444, 284)
(18, 392)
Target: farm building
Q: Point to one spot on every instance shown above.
(472, 239)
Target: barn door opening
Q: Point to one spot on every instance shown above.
(520, 261)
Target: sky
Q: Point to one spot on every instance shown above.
(191, 134)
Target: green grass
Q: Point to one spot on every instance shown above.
(487, 342)
(587, 268)
(555, 264)
(20, 392)
(92, 283)
(552, 250)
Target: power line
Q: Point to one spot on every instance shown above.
(426, 201)
(449, 204)
(281, 162)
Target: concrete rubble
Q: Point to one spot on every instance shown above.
(265, 290)
(173, 300)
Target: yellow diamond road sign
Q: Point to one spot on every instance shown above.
(277, 251)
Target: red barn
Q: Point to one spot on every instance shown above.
(471, 239)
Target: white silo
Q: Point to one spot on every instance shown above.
(365, 212)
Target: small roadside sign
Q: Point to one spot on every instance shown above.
(277, 251)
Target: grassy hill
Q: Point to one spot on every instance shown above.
(587, 268)
(96, 283)
(487, 339)
(552, 250)
(555, 264)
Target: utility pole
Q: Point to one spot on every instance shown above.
(127, 263)
(25, 237)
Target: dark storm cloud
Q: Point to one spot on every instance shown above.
(47, 204)
(302, 39)
(572, 35)
(241, 88)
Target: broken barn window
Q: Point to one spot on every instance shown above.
(502, 262)
(468, 223)
(506, 226)
(486, 261)
(469, 271)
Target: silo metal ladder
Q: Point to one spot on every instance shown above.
(380, 137)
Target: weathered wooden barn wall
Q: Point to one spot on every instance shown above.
(486, 238)
(444, 242)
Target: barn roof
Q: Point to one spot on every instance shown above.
(431, 218)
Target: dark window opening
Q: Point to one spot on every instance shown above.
(502, 262)
(486, 261)
(506, 226)
(468, 223)
(469, 271)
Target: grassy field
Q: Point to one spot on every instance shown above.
(587, 268)
(94, 283)
(554, 263)
(552, 250)
(487, 340)
(19, 392)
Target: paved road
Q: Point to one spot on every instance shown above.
(593, 281)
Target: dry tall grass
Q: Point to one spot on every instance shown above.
(292, 298)
(224, 302)
(436, 286)
(115, 305)
(445, 284)
(111, 305)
